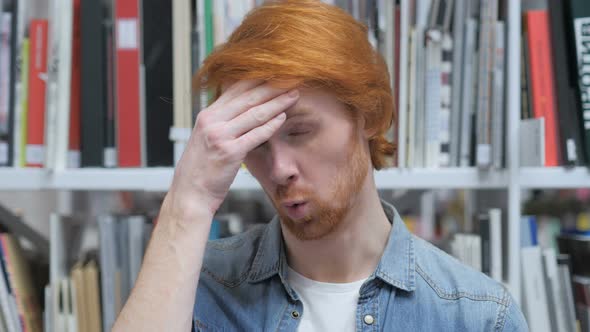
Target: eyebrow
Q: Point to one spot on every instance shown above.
(299, 112)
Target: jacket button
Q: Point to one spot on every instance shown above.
(295, 314)
(369, 320)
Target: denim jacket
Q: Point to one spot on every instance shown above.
(415, 287)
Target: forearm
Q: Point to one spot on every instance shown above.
(164, 294)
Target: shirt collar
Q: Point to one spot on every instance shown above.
(396, 267)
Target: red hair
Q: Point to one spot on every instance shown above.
(311, 44)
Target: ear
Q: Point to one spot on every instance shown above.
(368, 133)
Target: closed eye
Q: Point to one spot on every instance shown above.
(298, 133)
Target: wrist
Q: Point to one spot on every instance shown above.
(186, 208)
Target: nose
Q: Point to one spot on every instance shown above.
(283, 168)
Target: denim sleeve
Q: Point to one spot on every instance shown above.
(515, 320)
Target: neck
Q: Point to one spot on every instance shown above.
(352, 251)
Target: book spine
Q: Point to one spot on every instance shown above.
(5, 86)
(21, 131)
(580, 20)
(542, 83)
(567, 98)
(35, 153)
(457, 79)
(75, 103)
(498, 116)
(489, 11)
(467, 95)
(127, 41)
(157, 59)
(110, 85)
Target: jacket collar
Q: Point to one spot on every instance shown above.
(396, 266)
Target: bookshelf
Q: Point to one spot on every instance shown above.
(159, 179)
(513, 178)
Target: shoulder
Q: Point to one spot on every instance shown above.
(228, 260)
(447, 279)
(450, 278)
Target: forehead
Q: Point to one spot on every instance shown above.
(317, 102)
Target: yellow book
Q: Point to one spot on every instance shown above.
(19, 274)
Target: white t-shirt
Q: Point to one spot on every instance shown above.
(326, 306)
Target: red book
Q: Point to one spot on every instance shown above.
(35, 148)
(542, 80)
(75, 103)
(127, 80)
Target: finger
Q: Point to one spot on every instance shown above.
(232, 90)
(261, 134)
(249, 99)
(261, 114)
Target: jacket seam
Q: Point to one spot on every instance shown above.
(230, 284)
(502, 313)
(455, 295)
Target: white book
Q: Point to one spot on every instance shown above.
(444, 117)
(568, 296)
(496, 244)
(554, 291)
(403, 84)
(181, 30)
(48, 313)
(534, 290)
(475, 252)
(432, 105)
(532, 142)
(68, 316)
(460, 14)
(218, 22)
(497, 108)
(411, 118)
(469, 69)
(59, 84)
(234, 12)
(108, 267)
(419, 99)
(5, 85)
(136, 250)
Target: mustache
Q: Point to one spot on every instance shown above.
(292, 193)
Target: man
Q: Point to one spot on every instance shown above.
(304, 101)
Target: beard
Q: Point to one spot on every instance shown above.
(325, 215)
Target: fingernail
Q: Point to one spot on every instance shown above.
(294, 93)
(282, 116)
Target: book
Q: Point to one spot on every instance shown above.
(535, 306)
(565, 281)
(73, 159)
(555, 293)
(20, 143)
(59, 85)
(542, 88)
(20, 278)
(130, 146)
(459, 17)
(157, 62)
(93, 83)
(578, 19)
(35, 151)
(498, 123)
(488, 12)
(532, 142)
(5, 86)
(567, 96)
(108, 268)
(467, 102)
